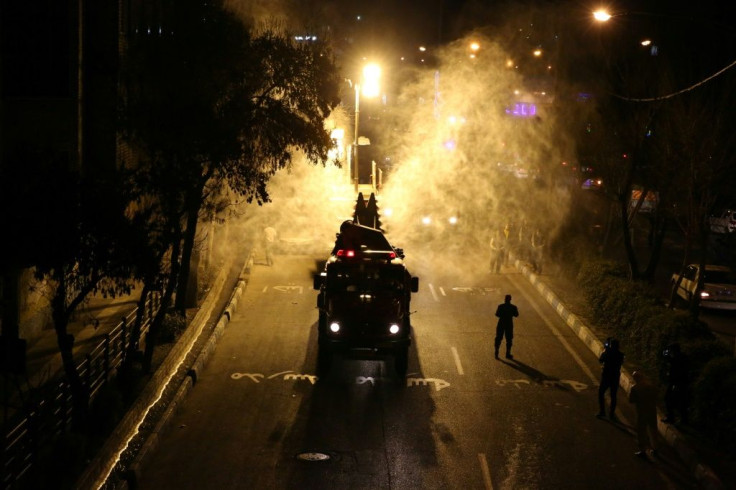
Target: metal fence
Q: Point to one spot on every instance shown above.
(38, 425)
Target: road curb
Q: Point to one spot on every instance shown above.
(702, 473)
(132, 476)
(98, 471)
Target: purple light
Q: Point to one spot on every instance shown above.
(523, 109)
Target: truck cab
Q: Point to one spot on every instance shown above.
(364, 300)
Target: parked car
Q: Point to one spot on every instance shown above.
(723, 223)
(719, 286)
(648, 205)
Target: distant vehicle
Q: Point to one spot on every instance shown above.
(649, 205)
(719, 286)
(592, 184)
(364, 296)
(440, 222)
(724, 223)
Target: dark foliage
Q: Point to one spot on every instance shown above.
(631, 311)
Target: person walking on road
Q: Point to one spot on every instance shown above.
(612, 359)
(505, 312)
(643, 396)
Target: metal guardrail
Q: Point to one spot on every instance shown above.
(37, 426)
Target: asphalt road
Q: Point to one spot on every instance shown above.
(460, 419)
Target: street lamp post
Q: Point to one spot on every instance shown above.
(370, 88)
(355, 137)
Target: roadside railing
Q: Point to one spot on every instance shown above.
(39, 423)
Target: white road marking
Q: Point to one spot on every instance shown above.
(442, 290)
(458, 364)
(486, 472)
(564, 343)
(286, 289)
(434, 294)
(264, 289)
(556, 332)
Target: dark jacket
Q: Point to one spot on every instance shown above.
(506, 313)
(612, 360)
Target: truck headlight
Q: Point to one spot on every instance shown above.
(334, 327)
(394, 328)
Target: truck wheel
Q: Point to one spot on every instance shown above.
(401, 361)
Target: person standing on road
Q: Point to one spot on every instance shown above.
(505, 312)
(269, 238)
(676, 376)
(521, 245)
(508, 234)
(612, 359)
(498, 251)
(537, 250)
(643, 396)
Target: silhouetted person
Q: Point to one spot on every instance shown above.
(643, 396)
(371, 217)
(359, 212)
(269, 239)
(676, 377)
(612, 359)
(521, 241)
(342, 239)
(505, 327)
(538, 243)
(498, 252)
(508, 235)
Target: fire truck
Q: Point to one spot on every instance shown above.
(364, 299)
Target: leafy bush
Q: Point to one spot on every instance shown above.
(714, 398)
(171, 328)
(644, 326)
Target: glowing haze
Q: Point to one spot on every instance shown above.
(457, 150)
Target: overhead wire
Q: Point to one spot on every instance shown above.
(679, 92)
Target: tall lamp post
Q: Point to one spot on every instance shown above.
(370, 88)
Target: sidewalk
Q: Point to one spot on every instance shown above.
(89, 327)
(713, 469)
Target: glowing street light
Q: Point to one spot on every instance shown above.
(371, 88)
(601, 16)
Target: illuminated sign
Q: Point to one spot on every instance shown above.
(522, 109)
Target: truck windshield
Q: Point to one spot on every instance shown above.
(365, 278)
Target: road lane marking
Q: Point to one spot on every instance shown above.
(287, 289)
(567, 346)
(434, 293)
(442, 290)
(264, 289)
(486, 472)
(458, 364)
(556, 332)
(439, 384)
